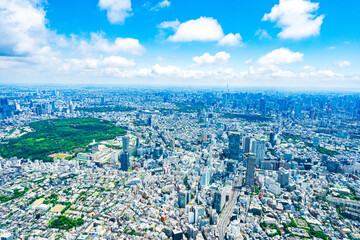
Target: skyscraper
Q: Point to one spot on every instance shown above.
(262, 107)
(283, 177)
(6, 109)
(183, 198)
(219, 200)
(250, 171)
(234, 146)
(247, 144)
(124, 160)
(137, 142)
(126, 142)
(260, 151)
(272, 139)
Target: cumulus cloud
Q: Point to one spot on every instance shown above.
(202, 29)
(22, 27)
(117, 10)
(231, 40)
(342, 63)
(206, 58)
(100, 44)
(281, 56)
(295, 18)
(248, 61)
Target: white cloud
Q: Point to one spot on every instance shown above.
(202, 29)
(158, 6)
(100, 44)
(342, 63)
(116, 61)
(87, 63)
(262, 34)
(331, 48)
(206, 58)
(167, 70)
(22, 27)
(94, 64)
(320, 74)
(231, 40)
(295, 18)
(164, 3)
(281, 56)
(117, 10)
(283, 74)
(174, 25)
(309, 68)
(248, 61)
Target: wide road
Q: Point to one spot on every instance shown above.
(229, 209)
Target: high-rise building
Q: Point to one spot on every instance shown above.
(124, 160)
(205, 177)
(125, 142)
(71, 107)
(219, 200)
(260, 151)
(230, 166)
(6, 109)
(298, 109)
(234, 146)
(272, 139)
(250, 171)
(247, 144)
(137, 142)
(199, 211)
(283, 177)
(204, 136)
(262, 107)
(183, 198)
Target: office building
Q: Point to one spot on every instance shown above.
(234, 146)
(250, 171)
(272, 138)
(125, 142)
(262, 107)
(183, 198)
(124, 160)
(247, 145)
(283, 177)
(260, 146)
(219, 200)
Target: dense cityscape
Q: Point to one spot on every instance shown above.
(138, 163)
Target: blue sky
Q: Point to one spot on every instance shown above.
(181, 42)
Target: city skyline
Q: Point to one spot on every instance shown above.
(286, 43)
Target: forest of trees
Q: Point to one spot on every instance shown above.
(59, 135)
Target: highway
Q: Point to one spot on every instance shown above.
(229, 209)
